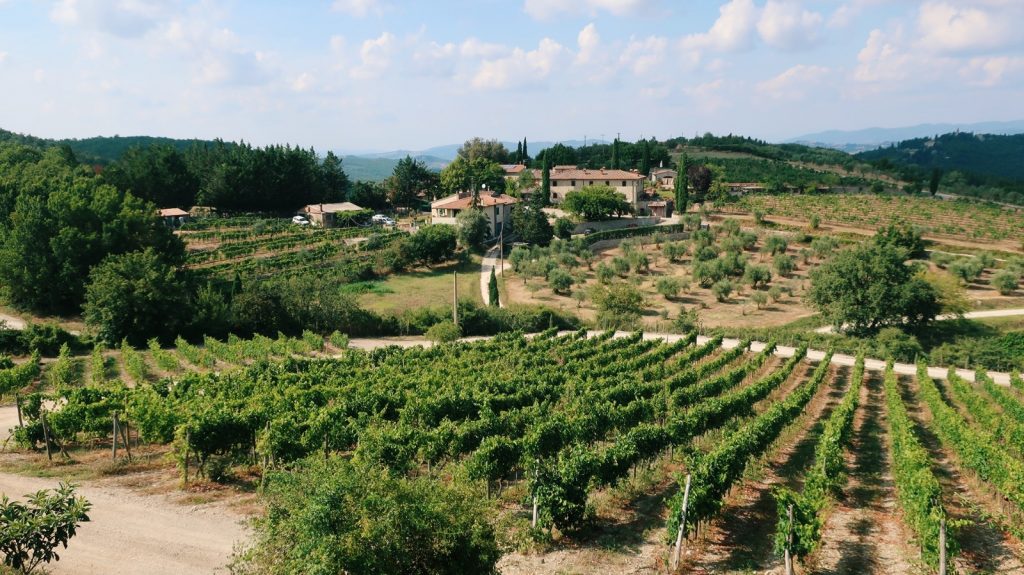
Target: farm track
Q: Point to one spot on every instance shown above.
(741, 539)
(863, 532)
(984, 547)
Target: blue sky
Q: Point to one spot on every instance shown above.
(386, 74)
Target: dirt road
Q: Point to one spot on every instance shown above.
(132, 533)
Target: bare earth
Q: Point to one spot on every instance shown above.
(132, 533)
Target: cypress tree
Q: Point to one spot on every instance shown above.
(682, 191)
(645, 158)
(526, 153)
(545, 181)
(615, 155)
(519, 153)
(492, 290)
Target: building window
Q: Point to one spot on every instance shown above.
(554, 196)
(607, 183)
(591, 183)
(573, 183)
(623, 184)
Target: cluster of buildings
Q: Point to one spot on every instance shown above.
(564, 179)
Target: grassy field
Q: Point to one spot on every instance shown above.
(424, 288)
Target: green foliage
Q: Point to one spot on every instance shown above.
(596, 203)
(335, 516)
(493, 295)
(563, 228)
(917, 490)
(784, 264)
(135, 296)
(30, 532)
(17, 377)
(560, 280)
(618, 305)
(668, 287)
(823, 481)
(443, 332)
(756, 275)
(531, 224)
(868, 287)
(722, 289)
(431, 244)
(409, 178)
(775, 245)
(473, 228)
(967, 270)
(1006, 281)
(903, 236)
(470, 174)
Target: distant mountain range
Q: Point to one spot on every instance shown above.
(448, 152)
(854, 141)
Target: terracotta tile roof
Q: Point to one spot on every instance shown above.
(172, 213)
(512, 169)
(572, 173)
(461, 202)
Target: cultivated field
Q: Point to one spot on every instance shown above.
(599, 433)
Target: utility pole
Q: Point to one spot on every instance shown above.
(455, 300)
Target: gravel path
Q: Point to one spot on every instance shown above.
(490, 262)
(968, 315)
(133, 533)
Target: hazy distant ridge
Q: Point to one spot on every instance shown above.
(870, 138)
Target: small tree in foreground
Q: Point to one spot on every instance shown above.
(1006, 282)
(444, 332)
(492, 290)
(30, 532)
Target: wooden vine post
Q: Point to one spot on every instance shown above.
(533, 522)
(682, 526)
(942, 547)
(789, 541)
(188, 438)
(17, 402)
(46, 434)
(113, 445)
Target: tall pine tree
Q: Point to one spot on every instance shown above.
(682, 188)
(615, 155)
(645, 158)
(526, 153)
(519, 153)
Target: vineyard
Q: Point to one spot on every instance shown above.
(546, 427)
(259, 248)
(955, 219)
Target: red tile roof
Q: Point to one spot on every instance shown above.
(570, 173)
(457, 202)
(172, 213)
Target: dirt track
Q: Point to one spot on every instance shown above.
(132, 533)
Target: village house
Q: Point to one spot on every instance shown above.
(496, 206)
(173, 217)
(565, 179)
(663, 178)
(326, 215)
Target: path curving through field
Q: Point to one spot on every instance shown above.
(134, 533)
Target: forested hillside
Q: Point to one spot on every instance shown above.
(102, 149)
(993, 157)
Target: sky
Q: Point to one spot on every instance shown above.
(363, 75)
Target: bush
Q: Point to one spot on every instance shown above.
(687, 321)
(473, 228)
(337, 516)
(431, 244)
(668, 287)
(759, 298)
(560, 280)
(618, 306)
(1006, 282)
(563, 228)
(722, 289)
(444, 332)
(967, 270)
(31, 532)
(894, 343)
(756, 275)
(775, 245)
(784, 264)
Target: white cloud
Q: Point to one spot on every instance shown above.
(882, 59)
(991, 71)
(474, 48)
(358, 8)
(794, 82)
(520, 68)
(644, 56)
(947, 28)
(547, 9)
(234, 69)
(731, 32)
(122, 18)
(375, 56)
(786, 25)
(588, 41)
(3, 57)
(706, 95)
(303, 82)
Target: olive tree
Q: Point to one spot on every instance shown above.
(30, 532)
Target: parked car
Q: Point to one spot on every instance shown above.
(382, 220)
(300, 220)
